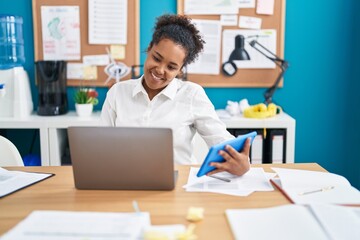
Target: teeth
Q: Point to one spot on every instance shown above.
(157, 78)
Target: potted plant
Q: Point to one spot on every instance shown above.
(85, 99)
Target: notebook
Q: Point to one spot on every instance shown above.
(304, 187)
(315, 221)
(122, 158)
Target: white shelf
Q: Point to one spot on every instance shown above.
(52, 130)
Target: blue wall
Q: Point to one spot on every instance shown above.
(321, 83)
(352, 159)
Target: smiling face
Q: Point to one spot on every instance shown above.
(164, 61)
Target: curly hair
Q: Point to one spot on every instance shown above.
(181, 31)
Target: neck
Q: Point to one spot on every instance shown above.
(151, 92)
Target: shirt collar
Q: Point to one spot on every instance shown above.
(169, 91)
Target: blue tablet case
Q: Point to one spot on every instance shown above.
(213, 154)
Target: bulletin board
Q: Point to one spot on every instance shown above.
(132, 52)
(246, 77)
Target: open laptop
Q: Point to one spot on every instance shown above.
(123, 158)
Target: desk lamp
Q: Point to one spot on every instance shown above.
(239, 53)
(283, 64)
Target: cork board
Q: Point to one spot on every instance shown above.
(246, 77)
(132, 53)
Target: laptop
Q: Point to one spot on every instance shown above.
(122, 158)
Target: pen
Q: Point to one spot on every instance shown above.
(318, 190)
(220, 178)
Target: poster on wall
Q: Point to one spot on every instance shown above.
(60, 32)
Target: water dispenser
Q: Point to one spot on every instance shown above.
(15, 94)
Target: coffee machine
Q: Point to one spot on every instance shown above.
(15, 93)
(51, 82)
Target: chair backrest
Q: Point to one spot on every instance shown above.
(9, 155)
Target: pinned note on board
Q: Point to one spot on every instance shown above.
(90, 72)
(265, 7)
(117, 51)
(250, 22)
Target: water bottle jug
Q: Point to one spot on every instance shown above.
(11, 42)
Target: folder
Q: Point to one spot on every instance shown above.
(12, 181)
(274, 146)
(277, 148)
(315, 221)
(256, 149)
(306, 187)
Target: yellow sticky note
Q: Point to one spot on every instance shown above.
(117, 51)
(195, 214)
(90, 72)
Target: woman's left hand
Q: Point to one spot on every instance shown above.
(236, 163)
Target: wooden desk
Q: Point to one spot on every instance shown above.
(165, 207)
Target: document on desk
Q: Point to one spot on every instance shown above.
(57, 225)
(303, 186)
(12, 181)
(254, 180)
(316, 221)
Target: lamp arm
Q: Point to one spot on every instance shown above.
(271, 90)
(283, 64)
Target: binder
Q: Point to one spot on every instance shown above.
(256, 152)
(257, 146)
(277, 148)
(274, 146)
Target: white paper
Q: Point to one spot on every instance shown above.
(96, 60)
(257, 60)
(265, 7)
(295, 182)
(59, 225)
(254, 180)
(337, 221)
(293, 222)
(228, 20)
(249, 22)
(75, 71)
(60, 32)
(11, 181)
(320, 221)
(246, 3)
(108, 22)
(207, 7)
(209, 60)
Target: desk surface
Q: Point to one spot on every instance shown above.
(165, 207)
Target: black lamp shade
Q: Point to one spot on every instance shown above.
(239, 53)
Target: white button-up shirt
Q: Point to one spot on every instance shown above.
(182, 106)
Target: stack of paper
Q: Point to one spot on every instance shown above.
(254, 180)
(56, 225)
(302, 186)
(296, 222)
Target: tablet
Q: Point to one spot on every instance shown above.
(213, 154)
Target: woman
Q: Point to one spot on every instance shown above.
(159, 99)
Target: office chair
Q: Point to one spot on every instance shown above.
(9, 155)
